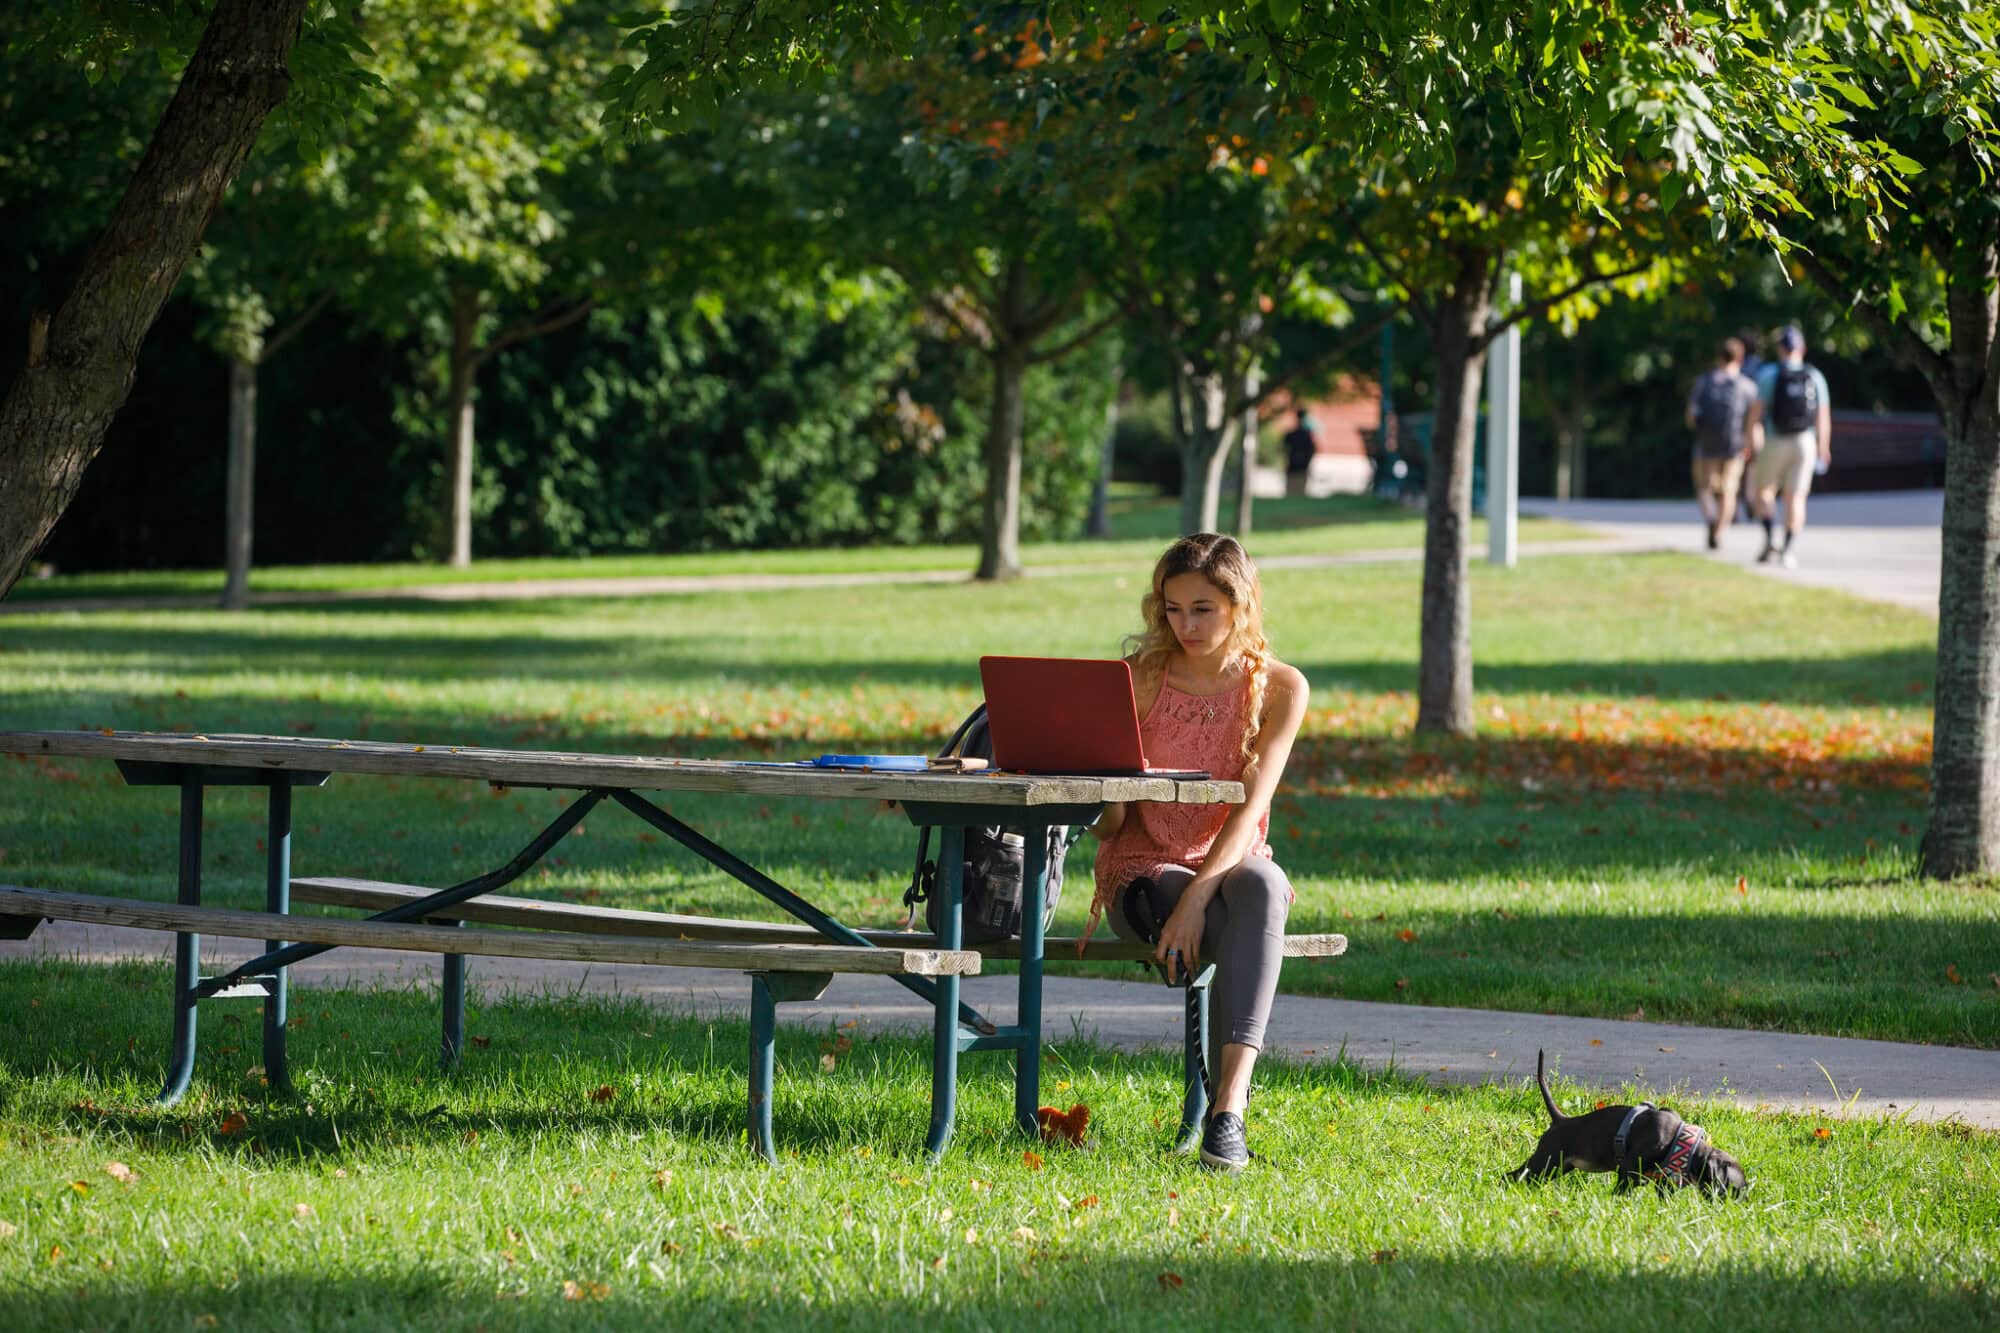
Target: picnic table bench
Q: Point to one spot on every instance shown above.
(784, 961)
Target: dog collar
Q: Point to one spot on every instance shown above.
(1680, 1153)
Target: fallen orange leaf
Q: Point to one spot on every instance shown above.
(1406, 935)
(1822, 1133)
(604, 1093)
(1172, 1282)
(234, 1123)
(1951, 974)
(1032, 1160)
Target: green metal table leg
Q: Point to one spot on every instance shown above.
(1028, 1062)
(187, 951)
(944, 1034)
(767, 991)
(277, 898)
(1194, 1104)
(763, 1060)
(454, 1009)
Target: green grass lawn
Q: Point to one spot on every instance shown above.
(1691, 797)
(587, 1168)
(1141, 521)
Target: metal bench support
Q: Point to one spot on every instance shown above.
(187, 949)
(767, 990)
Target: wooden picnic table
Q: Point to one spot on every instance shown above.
(950, 801)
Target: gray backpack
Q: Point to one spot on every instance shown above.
(1718, 415)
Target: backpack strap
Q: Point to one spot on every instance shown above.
(923, 875)
(1618, 1140)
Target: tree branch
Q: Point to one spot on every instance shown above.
(977, 328)
(1901, 340)
(1312, 364)
(1530, 309)
(285, 335)
(1424, 309)
(534, 327)
(1036, 356)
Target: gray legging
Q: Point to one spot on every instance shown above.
(1244, 938)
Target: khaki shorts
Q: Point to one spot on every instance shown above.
(1718, 476)
(1785, 464)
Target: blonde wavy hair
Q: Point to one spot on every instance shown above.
(1222, 561)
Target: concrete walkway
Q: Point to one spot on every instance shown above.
(1883, 545)
(660, 585)
(1653, 1060)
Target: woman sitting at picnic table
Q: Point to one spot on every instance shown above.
(1211, 696)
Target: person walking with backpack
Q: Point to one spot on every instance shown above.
(1718, 411)
(1198, 881)
(1794, 417)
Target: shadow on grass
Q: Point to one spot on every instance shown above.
(1167, 1283)
(1894, 677)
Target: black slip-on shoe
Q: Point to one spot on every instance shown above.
(1222, 1145)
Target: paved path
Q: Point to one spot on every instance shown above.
(1446, 1045)
(1882, 545)
(657, 585)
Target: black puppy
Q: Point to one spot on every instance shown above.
(1642, 1142)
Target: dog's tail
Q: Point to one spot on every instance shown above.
(1542, 1082)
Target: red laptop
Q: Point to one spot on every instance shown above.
(1066, 715)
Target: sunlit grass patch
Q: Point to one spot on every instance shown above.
(588, 1165)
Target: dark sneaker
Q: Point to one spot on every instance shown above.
(1764, 556)
(1714, 538)
(1222, 1145)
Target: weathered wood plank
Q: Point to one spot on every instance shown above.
(550, 768)
(581, 948)
(536, 913)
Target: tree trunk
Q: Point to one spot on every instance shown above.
(1107, 458)
(81, 362)
(1246, 432)
(464, 368)
(1444, 665)
(239, 486)
(1000, 518)
(1569, 432)
(1963, 835)
(1203, 454)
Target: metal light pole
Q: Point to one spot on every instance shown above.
(1503, 438)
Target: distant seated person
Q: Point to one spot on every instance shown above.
(1300, 446)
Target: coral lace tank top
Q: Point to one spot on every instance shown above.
(1180, 730)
